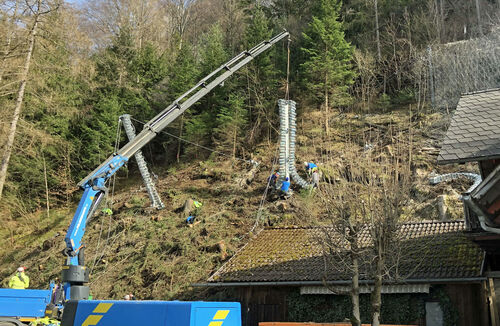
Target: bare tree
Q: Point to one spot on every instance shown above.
(148, 21)
(365, 205)
(341, 239)
(365, 85)
(10, 22)
(385, 206)
(181, 12)
(36, 10)
(377, 31)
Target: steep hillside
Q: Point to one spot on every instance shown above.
(154, 254)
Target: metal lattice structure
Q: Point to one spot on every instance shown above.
(143, 168)
(463, 67)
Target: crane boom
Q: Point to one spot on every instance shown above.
(74, 273)
(182, 103)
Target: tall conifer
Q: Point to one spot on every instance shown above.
(327, 68)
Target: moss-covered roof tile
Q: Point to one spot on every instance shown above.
(427, 250)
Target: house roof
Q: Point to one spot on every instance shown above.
(428, 251)
(474, 132)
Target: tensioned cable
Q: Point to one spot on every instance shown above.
(264, 195)
(198, 145)
(287, 97)
(287, 92)
(117, 144)
(113, 182)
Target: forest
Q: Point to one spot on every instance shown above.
(363, 72)
(82, 64)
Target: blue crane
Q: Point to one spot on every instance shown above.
(78, 310)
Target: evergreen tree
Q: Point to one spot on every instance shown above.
(202, 119)
(126, 79)
(149, 69)
(213, 54)
(261, 77)
(231, 123)
(327, 68)
(183, 74)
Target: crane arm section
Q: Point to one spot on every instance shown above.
(94, 184)
(181, 104)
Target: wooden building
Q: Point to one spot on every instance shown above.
(283, 274)
(474, 136)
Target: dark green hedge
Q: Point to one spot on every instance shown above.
(396, 308)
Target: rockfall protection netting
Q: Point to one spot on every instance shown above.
(462, 67)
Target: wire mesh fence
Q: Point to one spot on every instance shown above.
(460, 67)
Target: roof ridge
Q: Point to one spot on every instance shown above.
(481, 91)
(310, 227)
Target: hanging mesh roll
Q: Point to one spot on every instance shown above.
(141, 163)
(288, 132)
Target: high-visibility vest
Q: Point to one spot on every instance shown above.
(19, 281)
(45, 321)
(197, 204)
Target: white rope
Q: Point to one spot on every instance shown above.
(117, 144)
(264, 195)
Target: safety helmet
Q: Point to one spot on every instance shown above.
(20, 269)
(305, 163)
(126, 297)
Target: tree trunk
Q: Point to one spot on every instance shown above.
(17, 110)
(377, 287)
(234, 142)
(179, 140)
(327, 129)
(9, 41)
(355, 318)
(441, 22)
(377, 32)
(46, 186)
(478, 12)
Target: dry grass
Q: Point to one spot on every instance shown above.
(156, 256)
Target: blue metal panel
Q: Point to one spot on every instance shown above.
(109, 169)
(23, 303)
(157, 313)
(217, 313)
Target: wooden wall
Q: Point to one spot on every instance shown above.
(487, 166)
(259, 304)
(470, 301)
(263, 304)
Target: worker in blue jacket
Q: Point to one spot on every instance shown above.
(285, 188)
(310, 167)
(273, 179)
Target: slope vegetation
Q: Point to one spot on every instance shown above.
(156, 255)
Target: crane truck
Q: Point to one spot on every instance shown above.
(18, 306)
